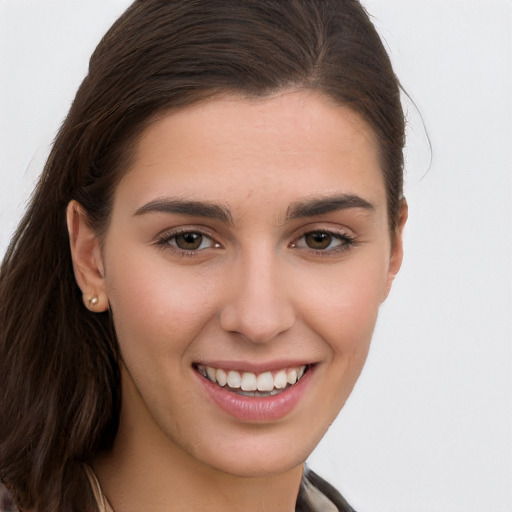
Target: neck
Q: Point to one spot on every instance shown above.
(134, 481)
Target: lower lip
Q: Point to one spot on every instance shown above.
(257, 409)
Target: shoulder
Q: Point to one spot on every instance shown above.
(6, 501)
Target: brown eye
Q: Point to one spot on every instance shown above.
(324, 242)
(318, 240)
(189, 241)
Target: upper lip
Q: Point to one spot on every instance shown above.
(255, 367)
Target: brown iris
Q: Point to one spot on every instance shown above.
(318, 240)
(189, 241)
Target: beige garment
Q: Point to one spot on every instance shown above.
(317, 499)
(103, 504)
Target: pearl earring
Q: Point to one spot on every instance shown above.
(91, 303)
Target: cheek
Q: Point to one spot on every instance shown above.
(340, 305)
(343, 303)
(154, 302)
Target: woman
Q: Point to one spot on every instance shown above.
(203, 261)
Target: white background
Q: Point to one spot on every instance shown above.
(429, 425)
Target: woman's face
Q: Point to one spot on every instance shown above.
(248, 243)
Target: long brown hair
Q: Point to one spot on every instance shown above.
(60, 391)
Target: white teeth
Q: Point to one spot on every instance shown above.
(211, 372)
(280, 379)
(265, 382)
(222, 378)
(248, 382)
(291, 377)
(234, 379)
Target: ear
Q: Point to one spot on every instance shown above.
(86, 256)
(397, 248)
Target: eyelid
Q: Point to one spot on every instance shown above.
(324, 227)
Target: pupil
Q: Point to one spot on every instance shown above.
(189, 241)
(318, 240)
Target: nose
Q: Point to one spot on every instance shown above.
(258, 307)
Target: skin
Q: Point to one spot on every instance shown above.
(254, 293)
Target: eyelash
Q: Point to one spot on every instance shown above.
(164, 241)
(346, 242)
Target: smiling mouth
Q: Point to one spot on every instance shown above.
(267, 383)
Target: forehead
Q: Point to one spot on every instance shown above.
(232, 147)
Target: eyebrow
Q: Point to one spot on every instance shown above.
(186, 207)
(308, 208)
(320, 205)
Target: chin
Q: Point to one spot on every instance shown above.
(264, 451)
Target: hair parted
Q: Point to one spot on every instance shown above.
(60, 397)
